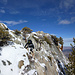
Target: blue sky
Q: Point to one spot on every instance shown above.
(51, 16)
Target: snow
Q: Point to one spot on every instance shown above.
(42, 64)
(46, 58)
(19, 39)
(34, 33)
(31, 72)
(41, 57)
(28, 35)
(36, 37)
(36, 60)
(64, 58)
(14, 54)
(3, 25)
(48, 34)
(57, 68)
(66, 62)
(62, 64)
(11, 33)
(40, 34)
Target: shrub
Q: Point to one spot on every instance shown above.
(26, 30)
(4, 36)
(71, 65)
(55, 40)
(17, 32)
(47, 40)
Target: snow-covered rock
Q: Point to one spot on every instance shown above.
(45, 59)
(3, 26)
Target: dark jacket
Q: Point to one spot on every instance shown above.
(29, 44)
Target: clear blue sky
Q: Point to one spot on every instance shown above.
(51, 16)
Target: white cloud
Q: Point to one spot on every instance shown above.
(2, 11)
(53, 34)
(68, 41)
(64, 22)
(72, 19)
(67, 4)
(43, 19)
(72, 12)
(4, 1)
(13, 22)
(14, 12)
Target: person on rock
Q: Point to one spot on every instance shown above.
(30, 45)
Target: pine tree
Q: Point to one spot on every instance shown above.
(55, 39)
(61, 41)
(71, 65)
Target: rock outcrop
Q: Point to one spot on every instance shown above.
(46, 59)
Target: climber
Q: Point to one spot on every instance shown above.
(30, 45)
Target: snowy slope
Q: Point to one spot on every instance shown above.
(13, 53)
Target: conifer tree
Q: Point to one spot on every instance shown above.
(55, 39)
(71, 65)
(61, 41)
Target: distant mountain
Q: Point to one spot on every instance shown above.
(67, 50)
(67, 47)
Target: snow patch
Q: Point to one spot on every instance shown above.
(11, 33)
(42, 64)
(14, 54)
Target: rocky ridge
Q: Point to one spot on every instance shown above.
(46, 58)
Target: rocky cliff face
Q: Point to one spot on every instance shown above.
(49, 60)
(46, 58)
